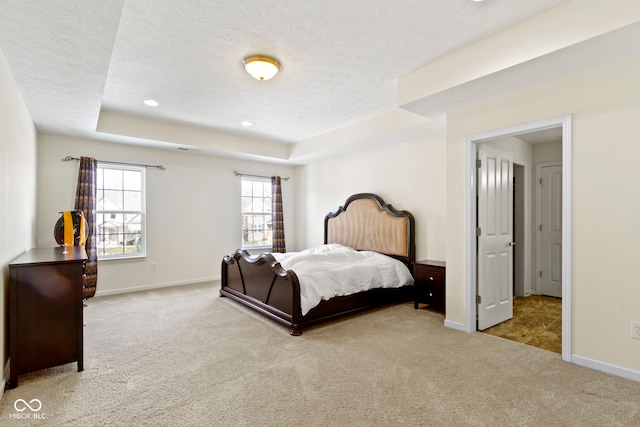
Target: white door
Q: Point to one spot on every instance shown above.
(495, 245)
(550, 230)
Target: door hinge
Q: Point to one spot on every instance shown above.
(540, 181)
(478, 163)
(478, 232)
(478, 299)
(540, 227)
(540, 273)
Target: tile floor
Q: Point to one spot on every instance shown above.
(537, 321)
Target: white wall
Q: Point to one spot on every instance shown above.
(193, 209)
(409, 176)
(606, 238)
(17, 187)
(549, 152)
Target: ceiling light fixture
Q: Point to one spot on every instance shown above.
(151, 102)
(261, 67)
(246, 123)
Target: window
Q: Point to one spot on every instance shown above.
(120, 211)
(256, 212)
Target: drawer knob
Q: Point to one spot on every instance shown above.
(430, 277)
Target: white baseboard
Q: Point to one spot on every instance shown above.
(608, 368)
(155, 286)
(455, 325)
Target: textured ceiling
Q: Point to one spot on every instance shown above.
(341, 61)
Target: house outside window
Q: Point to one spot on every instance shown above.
(256, 213)
(120, 211)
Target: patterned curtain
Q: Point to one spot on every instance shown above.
(86, 202)
(277, 218)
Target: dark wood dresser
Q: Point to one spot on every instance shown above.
(430, 280)
(45, 310)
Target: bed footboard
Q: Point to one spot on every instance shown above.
(262, 284)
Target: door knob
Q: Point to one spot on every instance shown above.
(511, 243)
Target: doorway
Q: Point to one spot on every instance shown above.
(471, 144)
(536, 317)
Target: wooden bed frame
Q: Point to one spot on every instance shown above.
(365, 222)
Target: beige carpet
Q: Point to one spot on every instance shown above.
(184, 356)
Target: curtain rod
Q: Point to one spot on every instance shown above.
(236, 173)
(66, 159)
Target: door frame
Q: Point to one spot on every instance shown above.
(470, 151)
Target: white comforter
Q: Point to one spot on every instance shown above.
(335, 270)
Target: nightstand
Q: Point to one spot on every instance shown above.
(430, 279)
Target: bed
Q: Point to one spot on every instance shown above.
(366, 224)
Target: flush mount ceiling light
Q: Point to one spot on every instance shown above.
(151, 102)
(261, 67)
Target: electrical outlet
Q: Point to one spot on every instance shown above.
(154, 266)
(635, 330)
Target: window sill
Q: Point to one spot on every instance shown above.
(122, 257)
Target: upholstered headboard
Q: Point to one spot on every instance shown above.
(367, 223)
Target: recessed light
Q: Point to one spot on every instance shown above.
(246, 123)
(151, 102)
